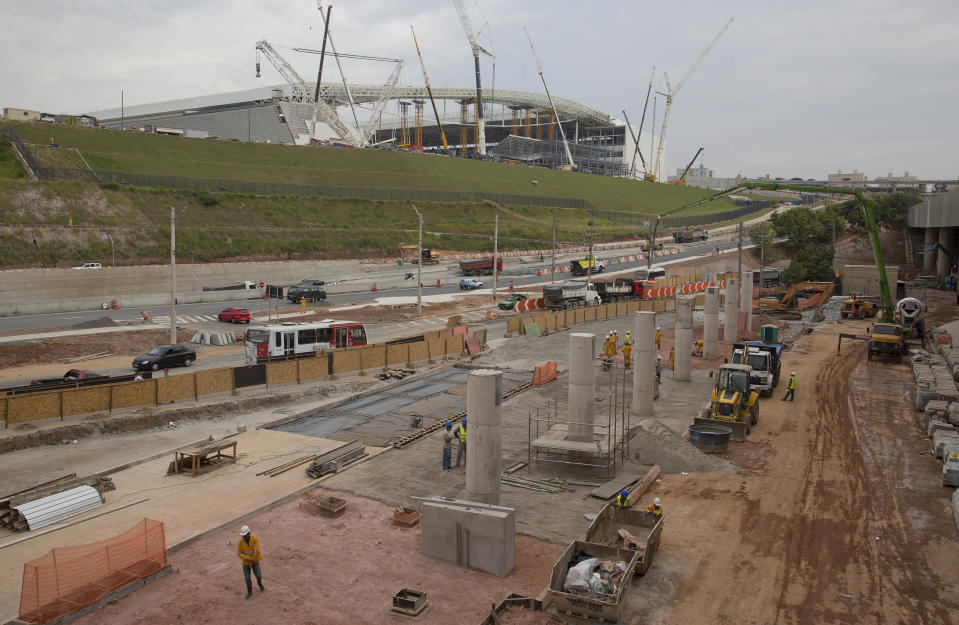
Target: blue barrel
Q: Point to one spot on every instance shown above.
(710, 438)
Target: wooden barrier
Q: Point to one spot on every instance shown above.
(33, 407)
(436, 348)
(346, 360)
(513, 325)
(419, 351)
(313, 368)
(454, 345)
(176, 387)
(374, 357)
(86, 400)
(211, 381)
(130, 394)
(279, 373)
(622, 309)
(398, 354)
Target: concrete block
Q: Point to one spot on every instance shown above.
(470, 534)
(935, 425)
(950, 471)
(940, 438)
(955, 507)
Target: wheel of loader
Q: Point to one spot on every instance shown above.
(862, 312)
(755, 414)
(868, 354)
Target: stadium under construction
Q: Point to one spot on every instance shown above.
(520, 126)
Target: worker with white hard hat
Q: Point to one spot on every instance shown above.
(659, 336)
(659, 368)
(791, 388)
(655, 508)
(248, 550)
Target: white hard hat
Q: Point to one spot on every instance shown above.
(244, 530)
(659, 357)
(793, 373)
(658, 328)
(657, 502)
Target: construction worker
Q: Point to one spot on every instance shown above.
(510, 287)
(659, 336)
(615, 340)
(448, 438)
(672, 357)
(629, 338)
(461, 450)
(699, 347)
(655, 508)
(659, 368)
(248, 550)
(622, 499)
(609, 346)
(791, 389)
(628, 355)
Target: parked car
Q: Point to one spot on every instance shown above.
(309, 293)
(510, 302)
(90, 266)
(165, 356)
(234, 315)
(70, 376)
(468, 284)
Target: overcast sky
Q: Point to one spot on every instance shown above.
(792, 88)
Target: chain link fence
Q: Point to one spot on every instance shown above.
(644, 220)
(9, 134)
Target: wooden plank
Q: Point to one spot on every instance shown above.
(647, 481)
(611, 488)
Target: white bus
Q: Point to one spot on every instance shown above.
(289, 340)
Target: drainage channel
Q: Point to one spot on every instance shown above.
(398, 414)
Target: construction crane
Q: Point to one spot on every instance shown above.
(636, 150)
(472, 36)
(632, 168)
(429, 90)
(682, 179)
(671, 94)
(562, 133)
(339, 66)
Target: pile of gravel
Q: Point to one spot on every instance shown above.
(654, 443)
(102, 322)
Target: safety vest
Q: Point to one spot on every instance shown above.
(792, 383)
(461, 432)
(622, 501)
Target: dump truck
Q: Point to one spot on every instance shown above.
(568, 295)
(765, 360)
(480, 266)
(691, 234)
(733, 403)
(582, 267)
(619, 289)
(591, 605)
(645, 529)
(886, 339)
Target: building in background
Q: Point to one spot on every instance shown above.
(855, 176)
(21, 115)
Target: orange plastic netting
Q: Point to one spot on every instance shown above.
(69, 578)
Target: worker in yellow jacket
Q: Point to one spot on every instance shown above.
(248, 550)
(609, 346)
(628, 355)
(659, 337)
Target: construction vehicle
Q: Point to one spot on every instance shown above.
(886, 339)
(429, 257)
(480, 266)
(681, 181)
(691, 234)
(766, 362)
(909, 314)
(733, 403)
(570, 295)
(619, 289)
(857, 307)
(590, 264)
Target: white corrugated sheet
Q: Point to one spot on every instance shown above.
(49, 510)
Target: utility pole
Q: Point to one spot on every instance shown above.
(762, 262)
(495, 253)
(172, 275)
(739, 267)
(589, 261)
(552, 266)
(419, 266)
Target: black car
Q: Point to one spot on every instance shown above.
(309, 293)
(165, 356)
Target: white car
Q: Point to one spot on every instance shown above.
(468, 284)
(90, 266)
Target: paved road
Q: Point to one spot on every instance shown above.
(203, 315)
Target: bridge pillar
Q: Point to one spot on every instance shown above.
(929, 260)
(944, 263)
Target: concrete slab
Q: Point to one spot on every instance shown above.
(188, 506)
(470, 534)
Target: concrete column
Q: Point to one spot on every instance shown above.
(746, 298)
(684, 337)
(711, 323)
(644, 363)
(943, 264)
(582, 385)
(484, 396)
(731, 312)
(929, 260)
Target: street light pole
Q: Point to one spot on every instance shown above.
(113, 250)
(589, 261)
(495, 253)
(419, 265)
(172, 275)
(552, 270)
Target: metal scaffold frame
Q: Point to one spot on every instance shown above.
(613, 435)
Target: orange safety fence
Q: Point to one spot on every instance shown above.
(70, 578)
(544, 373)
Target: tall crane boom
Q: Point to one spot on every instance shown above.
(562, 133)
(671, 93)
(476, 49)
(429, 90)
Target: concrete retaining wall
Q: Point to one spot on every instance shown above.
(470, 534)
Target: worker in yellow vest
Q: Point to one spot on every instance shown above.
(248, 550)
(672, 358)
(461, 450)
(791, 389)
(628, 355)
(659, 337)
(622, 499)
(609, 346)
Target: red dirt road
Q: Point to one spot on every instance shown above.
(320, 571)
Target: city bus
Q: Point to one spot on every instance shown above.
(291, 340)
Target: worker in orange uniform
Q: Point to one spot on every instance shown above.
(659, 337)
(627, 355)
(609, 346)
(672, 358)
(248, 549)
(655, 509)
(699, 347)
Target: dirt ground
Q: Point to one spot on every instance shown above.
(325, 571)
(400, 312)
(49, 350)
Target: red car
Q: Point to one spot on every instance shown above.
(235, 315)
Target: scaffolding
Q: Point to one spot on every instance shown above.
(418, 131)
(547, 431)
(404, 124)
(591, 156)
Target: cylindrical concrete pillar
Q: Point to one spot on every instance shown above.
(484, 396)
(746, 299)
(731, 312)
(711, 323)
(684, 337)
(929, 260)
(644, 363)
(582, 386)
(943, 264)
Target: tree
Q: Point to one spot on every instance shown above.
(812, 262)
(762, 235)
